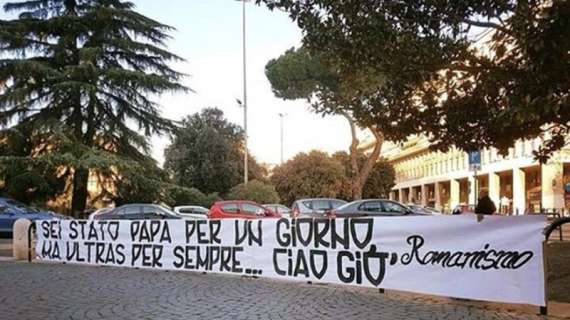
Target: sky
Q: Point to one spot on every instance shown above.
(209, 37)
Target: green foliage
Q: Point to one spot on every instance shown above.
(317, 174)
(304, 74)
(140, 182)
(307, 175)
(436, 79)
(380, 181)
(207, 153)
(298, 75)
(46, 176)
(135, 188)
(90, 67)
(254, 190)
(210, 199)
(309, 74)
(29, 180)
(176, 196)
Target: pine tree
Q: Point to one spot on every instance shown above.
(91, 66)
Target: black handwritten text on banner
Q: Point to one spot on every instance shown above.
(496, 259)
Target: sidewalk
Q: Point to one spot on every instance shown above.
(56, 291)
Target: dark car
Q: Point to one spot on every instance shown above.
(12, 210)
(138, 211)
(372, 208)
(240, 209)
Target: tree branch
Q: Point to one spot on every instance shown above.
(486, 24)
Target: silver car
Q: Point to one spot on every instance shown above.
(373, 208)
(192, 212)
(317, 207)
(138, 211)
(423, 210)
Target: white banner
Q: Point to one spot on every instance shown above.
(495, 259)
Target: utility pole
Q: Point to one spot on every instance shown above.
(245, 167)
(281, 116)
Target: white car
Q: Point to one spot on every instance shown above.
(192, 212)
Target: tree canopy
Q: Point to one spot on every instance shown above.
(255, 190)
(89, 66)
(378, 183)
(207, 153)
(308, 175)
(441, 75)
(299, 74)
(381, 180)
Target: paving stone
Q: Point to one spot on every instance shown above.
(55, 291)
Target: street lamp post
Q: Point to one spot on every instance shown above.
(245, 166)
(281, 116)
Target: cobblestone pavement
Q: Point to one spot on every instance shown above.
(50, 291)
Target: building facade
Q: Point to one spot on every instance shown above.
(517, 183)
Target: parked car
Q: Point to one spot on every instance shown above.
(373, 208)
(138, 211)
(92, 215)
(279, 208)
(418, 209)
(12, 210)
(192, 212)
(433, 210)
(240, 209)
(463, 208)
(318, 207)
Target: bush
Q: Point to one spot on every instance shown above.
(177, 196)
(210, 199)
(254, 191)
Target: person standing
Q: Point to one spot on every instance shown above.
(505, 204)
(485, 205)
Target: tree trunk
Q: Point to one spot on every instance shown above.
(353, 144)
(360, 175)
(80, 193)
(80, 175)
(360, 180)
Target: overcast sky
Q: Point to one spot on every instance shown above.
(208, 36)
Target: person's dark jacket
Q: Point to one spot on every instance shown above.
(485, 206)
